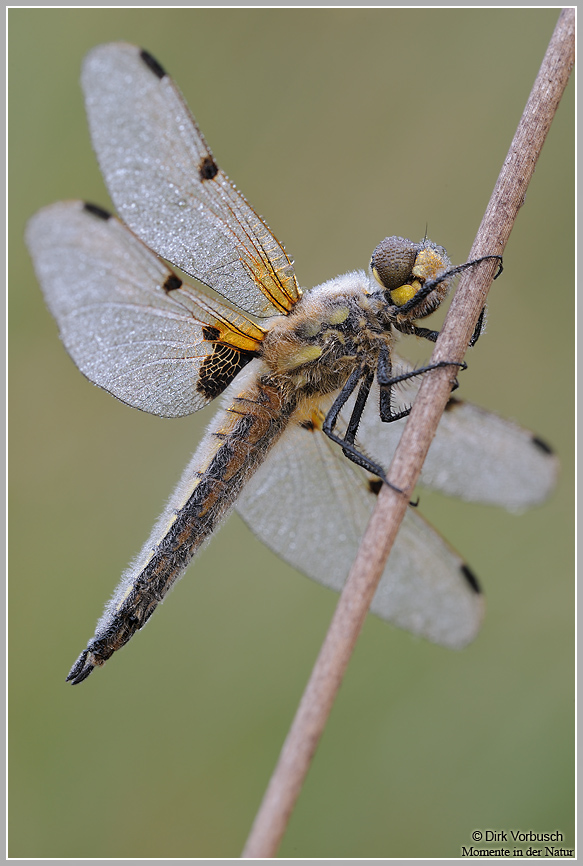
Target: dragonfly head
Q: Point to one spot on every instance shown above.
(409, 275)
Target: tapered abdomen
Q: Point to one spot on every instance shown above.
(235, 445)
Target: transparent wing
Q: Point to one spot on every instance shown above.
(128, 322)
(168, 189)
(475, 455)
(311, 506)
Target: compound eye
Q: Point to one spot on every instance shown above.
(392, 262)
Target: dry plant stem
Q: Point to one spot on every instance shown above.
(364, 577)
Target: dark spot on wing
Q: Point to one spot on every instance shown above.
(220, 367)
(452, 403)
(207, 168)
(210, 333)
(173, 282)
(471, 578)
(97, 211)
(374, 485)
(540, 443)
(152, 64)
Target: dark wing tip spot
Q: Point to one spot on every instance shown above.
(173, 282)
(207, 168)
(152, 64)
(452, 403)
(97, 211)
(540, 443)
(374, 485)
(471, 578)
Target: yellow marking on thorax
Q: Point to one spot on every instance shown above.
(338, 315)
(298, 357)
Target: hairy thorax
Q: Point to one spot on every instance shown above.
(314, 349)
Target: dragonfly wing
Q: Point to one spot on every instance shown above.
(128, 322)
(476, 455)
(311, 506)
(167, 187)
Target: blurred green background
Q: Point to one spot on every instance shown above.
(341, 127)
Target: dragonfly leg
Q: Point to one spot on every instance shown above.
(347, 441)
(386, 382)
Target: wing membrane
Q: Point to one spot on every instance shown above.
(167, 187)
(167, 351)
(311, 506)
(475, 455)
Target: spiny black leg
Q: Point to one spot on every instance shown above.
(428, 334)
(347, 443)
(410, 374)
(385, 380)
(426, 289)
(358, 409)
(338, 404)
(479, 324)
(384, 371)
(410, 328)
(332, 417)
(500, 265)
(459, 268)
(386, 384)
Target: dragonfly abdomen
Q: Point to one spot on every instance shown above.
(234, 446)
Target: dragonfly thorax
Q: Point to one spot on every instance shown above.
(345, 322)
(330, 332)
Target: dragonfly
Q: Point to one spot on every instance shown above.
(314, 394)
